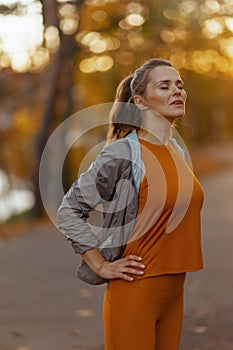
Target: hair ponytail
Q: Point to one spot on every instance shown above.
(125, 116)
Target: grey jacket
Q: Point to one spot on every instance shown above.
(110, 187)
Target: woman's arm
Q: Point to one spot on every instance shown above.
(95, 186)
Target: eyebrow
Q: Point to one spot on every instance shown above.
(168, 81)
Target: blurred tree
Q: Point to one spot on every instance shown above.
(59, 83)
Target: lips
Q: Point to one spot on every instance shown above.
(178, 103)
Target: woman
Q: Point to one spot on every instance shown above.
(143, 304)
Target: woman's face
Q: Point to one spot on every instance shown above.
(164, 93)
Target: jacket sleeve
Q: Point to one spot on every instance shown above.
(97, 185)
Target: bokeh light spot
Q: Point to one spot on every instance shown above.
(104, 63)
(212, 28)
(98, 46)
(68, 25)
(167, 36)
(136, 41)
(40, 58)
(88, 65)
(90, 38)
(20, 61)
(68, 10)
(96, 63)
(100, 15)
(226, 45)
(170, 14)
(52, 40)
(187, 7)
(212, 6)
(229, 23)
(135, 19)
(134, 7)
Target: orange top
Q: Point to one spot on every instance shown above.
(167, 232)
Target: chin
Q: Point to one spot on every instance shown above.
(172, 118)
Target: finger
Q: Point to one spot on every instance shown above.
(135, 264)
(132, 271)
(134, 257)
(126, 277)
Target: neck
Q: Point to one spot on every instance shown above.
(155, 128)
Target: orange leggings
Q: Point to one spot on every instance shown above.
(145, 314)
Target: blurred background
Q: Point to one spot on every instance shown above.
(58, 57)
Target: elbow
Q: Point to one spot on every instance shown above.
(60, 219)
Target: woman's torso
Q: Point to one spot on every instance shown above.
(167, 231)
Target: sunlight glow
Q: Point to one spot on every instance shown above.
(167, 36)
(212, 28)
(52, 40)
(187, 7)
(226, 45)
(13, 200)
(89, 39)
(30, 50)
(134, 7)
(87, 65)
(203, 62)
(16, 201)
(68, 25)
(222, 64)
(96, 64)
(40, 59)
(20, 61)
(96, 43)
(99, 46)
(211, 6)
(178, 58)
(25, 39)
(135, 19)
(4, 61)
(18, 43)
(68, 10)
(104, 63)
(229, 23)
(7, 2)
(200, 62)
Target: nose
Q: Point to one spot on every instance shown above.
(176, 90)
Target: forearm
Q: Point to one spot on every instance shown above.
(94, 259)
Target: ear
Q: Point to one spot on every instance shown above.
(140, 102)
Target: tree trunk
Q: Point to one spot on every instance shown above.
(59, 83)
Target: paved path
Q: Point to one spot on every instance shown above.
(44, 307)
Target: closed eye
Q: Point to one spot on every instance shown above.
(166, 84)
